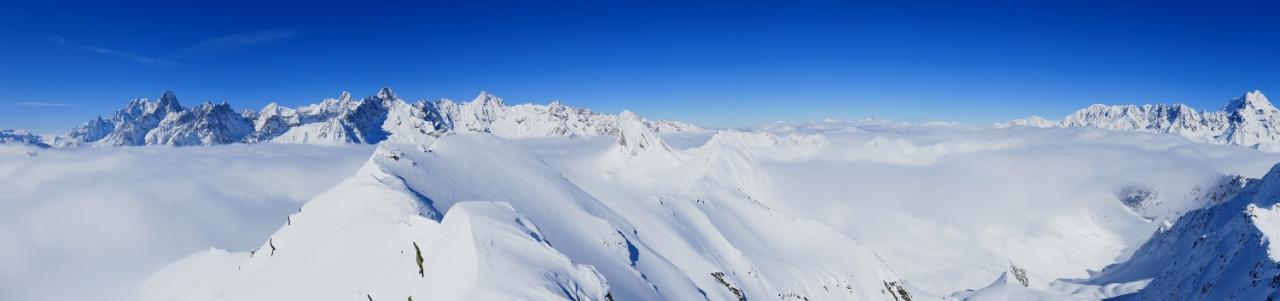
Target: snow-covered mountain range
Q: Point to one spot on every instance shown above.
(452, 206)
(1249, 120)
(20, 136)
(381, 117)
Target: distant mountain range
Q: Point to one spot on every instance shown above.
(19, 136)
(381, 117)
(1249, 120)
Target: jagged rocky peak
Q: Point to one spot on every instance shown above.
(488, 99)
(272, 108)
(21, 136)
(168, 100)
(385, 94)
(1250, 102)
(205, 124)
(634, 137)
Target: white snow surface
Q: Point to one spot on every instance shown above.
(706, 242)
(1268, 222)
(1221, 252)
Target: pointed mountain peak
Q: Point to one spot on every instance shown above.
(486, 98)
(168, 101)
(634, 137)
(168, 96)
(386, 94)
(1250, 101)
(345, 96)
(556, 106)
(628, 116)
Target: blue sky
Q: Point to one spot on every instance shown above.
(714, 63)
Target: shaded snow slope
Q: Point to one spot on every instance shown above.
(1222, 252)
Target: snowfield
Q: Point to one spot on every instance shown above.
(829, 210)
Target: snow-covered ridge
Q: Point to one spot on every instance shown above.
(381, 117)
(477, 217)
(1225, 251)
(1249, 120)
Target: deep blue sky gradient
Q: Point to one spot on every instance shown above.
(719, 64)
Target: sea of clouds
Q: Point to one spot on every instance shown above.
(947, 206)
(950, 207)
(94, 223)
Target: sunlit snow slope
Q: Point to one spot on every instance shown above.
(489, 220)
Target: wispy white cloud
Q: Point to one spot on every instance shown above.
(248, 38)
(130, 56)
(237, 40)
(206, 47)
(42, 104)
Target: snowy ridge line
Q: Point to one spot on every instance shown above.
(1225, 251)
(478, 217)
(1249, 120)
(342, 120)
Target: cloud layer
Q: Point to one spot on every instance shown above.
(1044, 199)
(947, 207)
(42, 104)
(92, 224)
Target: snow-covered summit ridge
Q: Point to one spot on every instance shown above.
(473, 216)
(1249, 120)
(341, 120)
